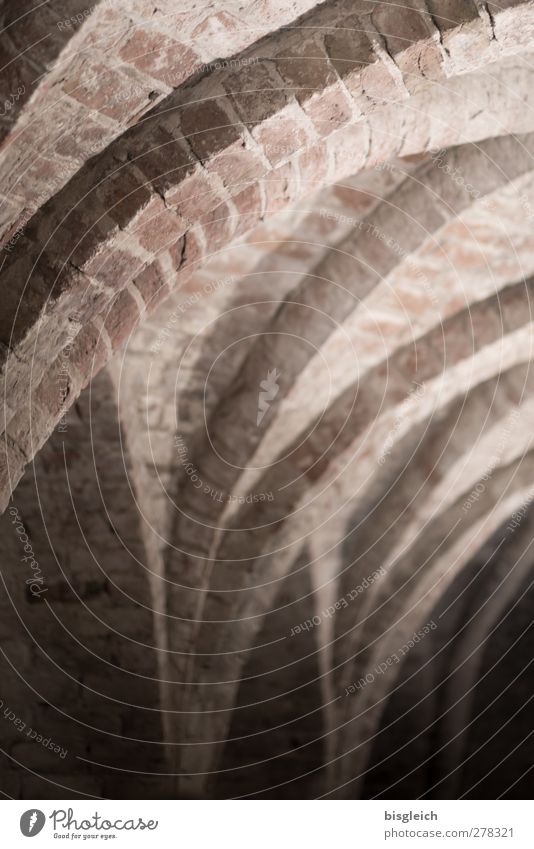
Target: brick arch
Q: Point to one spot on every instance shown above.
(439, 680)
(505, 591)
(203, 174)
(518, 312)
(356, 740)
(94, 242)
(402, 367)
(229, 292)
(255, 600)
(244, 611)
(82, 644)
(378, 536)
(376, 542)
(334, 289)
(102, 65)
(483, 332)
(396, 510)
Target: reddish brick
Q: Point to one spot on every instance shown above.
(313, 165)
(108, 28)
(113, 265)
(88, 353)
(115, 92)
(121, 194)
(448, 14)
(163, 159)
(329, 110)
(80, 237)
(58, 387)
(187, 252)
(156, 227)
(122, 317)
(218, 227)
(306, 69)
(280, 188)
(248, 205)
(377, 88)
(208, 128)
(26, 293)
(349, 145)
(152, 285)
(257, 92)
(194, 196)
(484, 324)
(61, 117)
(400, 27)
(39, 173)
(407, 38)
(15, 225)
(220, 20)
(161, 57)
(419, 63)
(281, 136)
(236, 165)
(350, 50)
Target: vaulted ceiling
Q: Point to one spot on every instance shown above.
(265, 348)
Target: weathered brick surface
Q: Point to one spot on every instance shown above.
(230, 415)
(115, 268)
(122, 316)
(90, 686)
(221, 220)
(440, 565)
(288, 677)
(74, 48)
